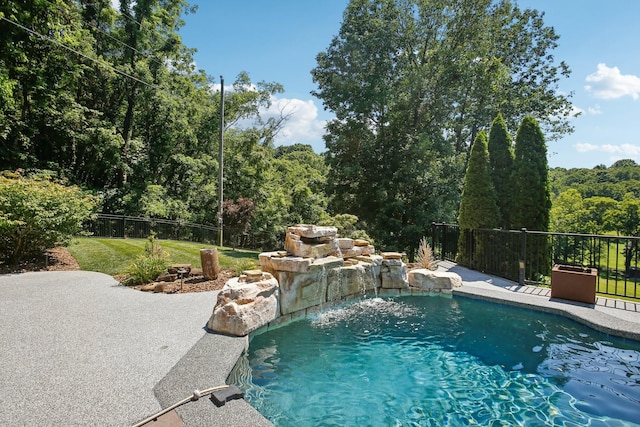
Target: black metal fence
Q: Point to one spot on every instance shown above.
(527, 256)
(121, 226)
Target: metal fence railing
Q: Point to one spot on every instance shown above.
(121, 226)
(527, 257)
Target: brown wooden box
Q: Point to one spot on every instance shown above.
(574, 283)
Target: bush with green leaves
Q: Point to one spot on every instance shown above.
(148, 266)
(38, 213)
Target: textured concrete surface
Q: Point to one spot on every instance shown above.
(79, 349)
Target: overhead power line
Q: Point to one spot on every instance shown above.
(96, 60)
(112, 37)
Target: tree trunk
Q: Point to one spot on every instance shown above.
(210, 265)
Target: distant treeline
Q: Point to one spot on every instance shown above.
(598, 200)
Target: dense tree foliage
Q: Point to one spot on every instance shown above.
(110, 100)
(615, 181)
(478, 205)
(531, 202)
(411, 84)
(598, 201)
(501, 163)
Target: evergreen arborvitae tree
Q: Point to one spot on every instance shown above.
(531, 201)
(478, 207)
(501, 161)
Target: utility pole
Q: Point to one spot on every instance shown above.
(221, 161)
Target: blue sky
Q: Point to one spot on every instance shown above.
(278, 40)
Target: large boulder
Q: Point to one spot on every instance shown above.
(273, 262)
(313, 231)
(310, 248)
(306, 289)
(245, 303)
(393, 274)
(436, 281)
(360, 278)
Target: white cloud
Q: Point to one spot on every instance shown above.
(628, 150)
(302, 125)
(583, 148)
(594, 111)
(609, 83)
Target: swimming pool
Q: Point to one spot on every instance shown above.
(437, 361)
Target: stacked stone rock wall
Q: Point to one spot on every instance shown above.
(316, 267)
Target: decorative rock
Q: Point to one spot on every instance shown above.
(393, 274)
(251, 276)
(166, 277)
(345, 243)
(148, 287)
(210, 263)
(303, 290)
(351, 280)
(243, 307)
(357, 251)
(392, 255)
(429, 280)
(272, 264)
(360, 242)
(313, 231)
(174, 269)
(295, 246)
(372, 259)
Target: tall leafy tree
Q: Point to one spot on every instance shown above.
(501, 164)
(411, 84)
(478, 206)
(532, 200)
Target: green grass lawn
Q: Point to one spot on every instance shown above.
(113, 256)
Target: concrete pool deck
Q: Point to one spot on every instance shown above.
(79, 349)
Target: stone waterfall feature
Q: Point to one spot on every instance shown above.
(316, 268)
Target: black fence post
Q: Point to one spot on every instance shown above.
(523, 255)
(433, 239)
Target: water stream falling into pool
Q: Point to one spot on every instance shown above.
(433, 361)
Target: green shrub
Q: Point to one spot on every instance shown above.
(148, 266)
(144, 270)
(37, 213)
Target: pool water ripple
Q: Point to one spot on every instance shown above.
(440, 361)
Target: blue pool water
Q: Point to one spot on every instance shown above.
(434, 361)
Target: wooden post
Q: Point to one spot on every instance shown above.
(210, 265)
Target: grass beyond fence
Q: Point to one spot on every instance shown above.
(113, 256)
